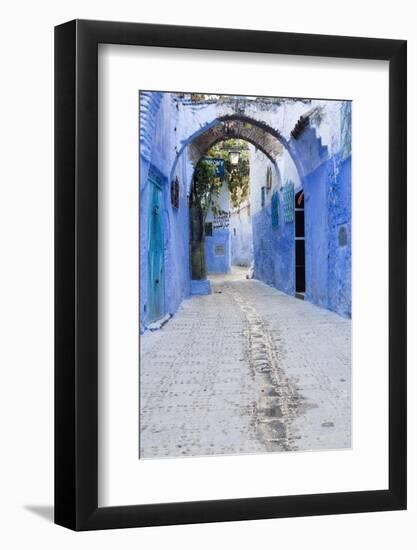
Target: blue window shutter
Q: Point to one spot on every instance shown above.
(275, 210)
(288, 193)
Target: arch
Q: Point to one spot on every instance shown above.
(243, 138)
(269, 140)
(235, 129)
(304, 151)
(207, 249)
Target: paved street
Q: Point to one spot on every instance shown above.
(246, 369)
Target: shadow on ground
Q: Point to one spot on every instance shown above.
(45, 512)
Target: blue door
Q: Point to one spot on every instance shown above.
(156, 286)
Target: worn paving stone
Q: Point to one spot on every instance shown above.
(246, 369)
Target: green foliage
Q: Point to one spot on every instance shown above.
(206, 191)
(207, 187)
(237, 176)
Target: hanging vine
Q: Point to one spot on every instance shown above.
(205, 193)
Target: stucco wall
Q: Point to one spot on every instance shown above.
(241, 238)
(217, 246)
(340, 229)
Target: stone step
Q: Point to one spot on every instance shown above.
(200, 287)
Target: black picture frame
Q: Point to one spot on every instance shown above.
(76, 272)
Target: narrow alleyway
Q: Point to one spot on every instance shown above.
(246, 369)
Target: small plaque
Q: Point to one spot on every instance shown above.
(219, 250)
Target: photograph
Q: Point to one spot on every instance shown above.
(245, 276)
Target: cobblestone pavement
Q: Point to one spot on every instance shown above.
(246, 369)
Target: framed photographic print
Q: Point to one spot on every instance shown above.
(230, 275)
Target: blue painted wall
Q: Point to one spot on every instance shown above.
(340, 239)
(263, 247)
(284, 257)
(215, 262)
(327, 208)
(177, 252)
(328, 235)
(158, 118)
(316, 234)
(274, 252)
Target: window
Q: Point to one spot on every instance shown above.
(175, 193)
(268, 183)
(275, 210)
(208, 229)
(288, 198)
(262, 196)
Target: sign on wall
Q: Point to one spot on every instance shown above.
(219, 250)
(218, 164)
(221, 221)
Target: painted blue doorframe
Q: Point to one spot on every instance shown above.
(156, 271)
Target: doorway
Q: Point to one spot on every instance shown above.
(300, 269)
(156, 271)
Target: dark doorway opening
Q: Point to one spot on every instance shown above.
(300, 268)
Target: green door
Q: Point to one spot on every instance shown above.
(156, 286)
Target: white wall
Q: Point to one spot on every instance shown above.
(241, 237)
(26, 300)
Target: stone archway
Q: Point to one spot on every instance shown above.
(239, 126)
(236, 128)
(231, 128)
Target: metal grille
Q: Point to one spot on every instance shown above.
(288, 195)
